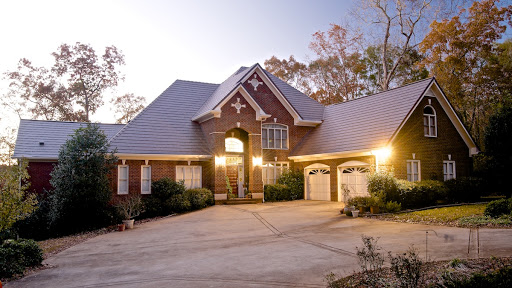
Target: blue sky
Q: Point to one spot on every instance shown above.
(165, 40)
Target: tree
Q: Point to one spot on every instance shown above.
(82, 190)
(463, 56)
(127, 106)
(290, 71)
(15, 203)
(77, 78)
(7, 143)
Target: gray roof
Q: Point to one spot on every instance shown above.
(165, 126)
(365, 123)
(53, 134)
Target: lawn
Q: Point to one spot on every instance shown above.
(459, 216)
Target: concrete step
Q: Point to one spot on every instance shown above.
(238, 201)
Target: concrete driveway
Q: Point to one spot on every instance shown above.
(292, 244)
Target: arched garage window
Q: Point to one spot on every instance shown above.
(274, 136)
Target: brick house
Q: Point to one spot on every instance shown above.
(253, 125)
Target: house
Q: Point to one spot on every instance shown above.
(253, 125)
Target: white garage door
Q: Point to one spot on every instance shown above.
(318, 184)
(354, 178)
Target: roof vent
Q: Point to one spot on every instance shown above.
(41, 143)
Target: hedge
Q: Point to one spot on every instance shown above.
(277, 192)
(17, 255)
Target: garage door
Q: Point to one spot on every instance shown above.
(318, 184)
(354, 179)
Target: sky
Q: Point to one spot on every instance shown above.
(163, 41)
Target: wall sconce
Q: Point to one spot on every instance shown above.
(257, 161)
(381, 155)
(220, 161)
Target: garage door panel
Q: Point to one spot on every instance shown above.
(318, 186)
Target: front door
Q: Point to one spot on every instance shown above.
(235, 173)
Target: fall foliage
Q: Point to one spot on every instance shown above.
(127, 106)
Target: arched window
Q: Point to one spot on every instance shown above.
(234, 145)
(274, 136)
(429, 121)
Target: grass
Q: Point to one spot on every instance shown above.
(460, 216)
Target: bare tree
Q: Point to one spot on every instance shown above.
(127, 106)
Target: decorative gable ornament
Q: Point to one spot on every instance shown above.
(254, 82)
(238, 105)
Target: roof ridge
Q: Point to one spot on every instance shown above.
(380, 92)
(201, 82)
(42, 120)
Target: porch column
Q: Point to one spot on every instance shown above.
(255, 176)
(219, 153)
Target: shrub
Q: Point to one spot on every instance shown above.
(421, 194)
(392, 207)
(360, 201)
(497, 208)
(294, 179)
(499, 278)
(17, 255)
(37, 225)
(277, 192)
(407, 268)
(370, 261)
(383, 181)
(82, 192)
(465, 189)
(130, 207)
(166, 197)
(199, 198)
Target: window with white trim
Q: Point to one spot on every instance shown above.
(413, 170)
(191, 175)
(449, 170)
(122, 179)
(145, 182)
(272, 170)
(274, 136)
(429, 121)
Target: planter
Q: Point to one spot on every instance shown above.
(128, 223)
(362, 210)
(120, 227)
(348, 208)
(355, 213)
(374, 209)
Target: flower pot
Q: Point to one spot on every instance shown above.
(355, 213)
(120, 227)
(128, 223)
(348, 208)
(362, 210)
(374, 209)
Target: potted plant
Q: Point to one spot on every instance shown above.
(130, 208)
(355, 213)
(349, 206)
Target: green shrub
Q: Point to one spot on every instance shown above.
(199, 198)
(497, 208)
(166, 197)
(360, 201)
(17, 255)
(277, 192)
(37, 225)
(407, 268)
(383, 181)
(421, 194)
(392, 207)
(294, 179)
(499, 278)
(465, 189)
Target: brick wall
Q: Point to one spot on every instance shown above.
(431, 151)
(40, 176)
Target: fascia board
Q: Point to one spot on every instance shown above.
(335, 155)
(260, 114)
(126, 156)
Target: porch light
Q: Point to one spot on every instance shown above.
(220, 161)
(257, 161)
(381, 155)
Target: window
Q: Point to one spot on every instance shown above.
(234, 145)
(429, 121)
(145, 182)
(122, 179)
(190, 174)
(272, 170)
(413, 170)
(274, 136)
(449, 170)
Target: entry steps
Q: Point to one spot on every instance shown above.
(238, 201)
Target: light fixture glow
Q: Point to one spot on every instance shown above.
(220, 161)
(382, 153)
(257, 161)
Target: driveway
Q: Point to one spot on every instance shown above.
(291, 244)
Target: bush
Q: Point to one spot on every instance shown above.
(17, 255)
(166, 197)
(199, 198)
(294, 179)
(407, 268)
(499, 278)
(277, 192)
(37, 225)
(383, 181)
(497, 208)
(360, 201)
(465, 189)
(421, 194)
(392, 207)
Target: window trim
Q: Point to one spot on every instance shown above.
(445, 174)
(142, 179)
(285, 128)
(191, 166)
(236, 140)
(412, 174)
(434, 116)
(119, 167)
(265, 166)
